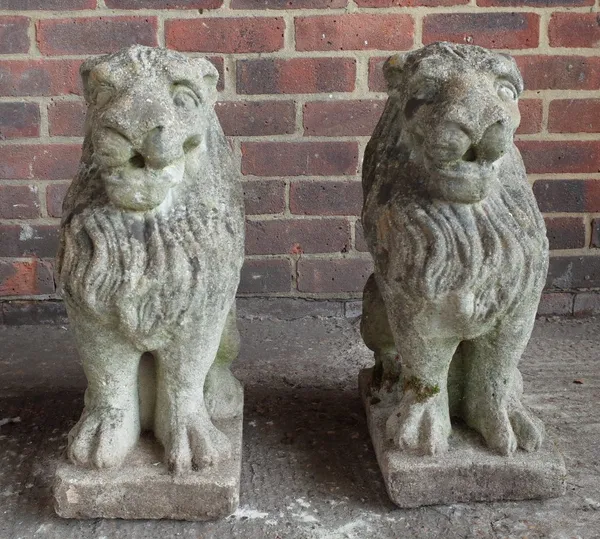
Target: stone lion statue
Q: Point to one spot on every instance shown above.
(152, 241)
(459, 246)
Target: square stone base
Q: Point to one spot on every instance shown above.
(144, 489)
(469, 472)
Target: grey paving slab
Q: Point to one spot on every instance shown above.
(308, 467)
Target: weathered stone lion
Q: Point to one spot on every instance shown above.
(151, 250)
(459, 246)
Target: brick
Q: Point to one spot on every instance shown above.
(340, 275)
(29, 240)
(569, 272)
(574, 196)
(218, 62)
(565, 232)
(560, 72)
(574, 30)
(39, 77)
(19, 202)
(341, 118)
(574, 116)
(297, 236)
(17, 278)
(409, 3)
(94, 35)
(55, 194)
(66, 118)
(560, 195)
(534, 3)
(288, 4)
(225, 35)
(376, 80)
(591, 189)
(14, 36)
(25, 313)
(493, 30)
(586, 304)
(326, 198)
(266, 276)
(557, 156)
(555, 304)
(299, 158)
(357, 31)
(60, 5)
(26, 278)
(596, 233)
(254, 118)
(19, 120)
(264, 196)
(531, 116)
(359, 238)
(43, 162)
(295, 76)
(163, 4)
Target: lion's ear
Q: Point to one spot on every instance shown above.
(208, 74)
(84, 71)
(392, 70)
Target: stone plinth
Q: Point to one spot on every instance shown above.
(468, 472)
(143, 488)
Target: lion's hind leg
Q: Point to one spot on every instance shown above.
(377, 335)
(224, 393)
(493, 389)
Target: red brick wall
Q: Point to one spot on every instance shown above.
(301, 90)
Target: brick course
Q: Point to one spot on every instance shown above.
(300, 92)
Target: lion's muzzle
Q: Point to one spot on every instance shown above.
(139, 172)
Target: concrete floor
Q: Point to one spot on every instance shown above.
(308, 470)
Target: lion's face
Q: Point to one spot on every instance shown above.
(459, 105)
(147, 110)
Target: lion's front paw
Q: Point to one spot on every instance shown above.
(194, 445)
(103, 436)
(422, 427)
(506, 429)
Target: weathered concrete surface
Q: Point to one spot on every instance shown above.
(143, 488)
(308, 468)
(467, 472)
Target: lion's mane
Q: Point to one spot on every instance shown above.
(152, 271)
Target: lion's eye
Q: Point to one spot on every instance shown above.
(103, 94)
(507, 91)
(185, 98)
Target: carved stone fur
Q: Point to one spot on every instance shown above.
(151, 249)
(459, 246)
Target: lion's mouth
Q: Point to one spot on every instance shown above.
(462, 170)
(135, 186)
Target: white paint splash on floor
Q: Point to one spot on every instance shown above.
(247, 513)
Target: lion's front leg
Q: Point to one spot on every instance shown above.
(109, 426)
(493, 388)
(182, 423)
(421, 420)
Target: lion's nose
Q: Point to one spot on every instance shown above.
(158, 150)
(495, 142)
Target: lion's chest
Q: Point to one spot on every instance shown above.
(460, 265)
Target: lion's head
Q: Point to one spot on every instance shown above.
(147, 109)
(455, 110)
